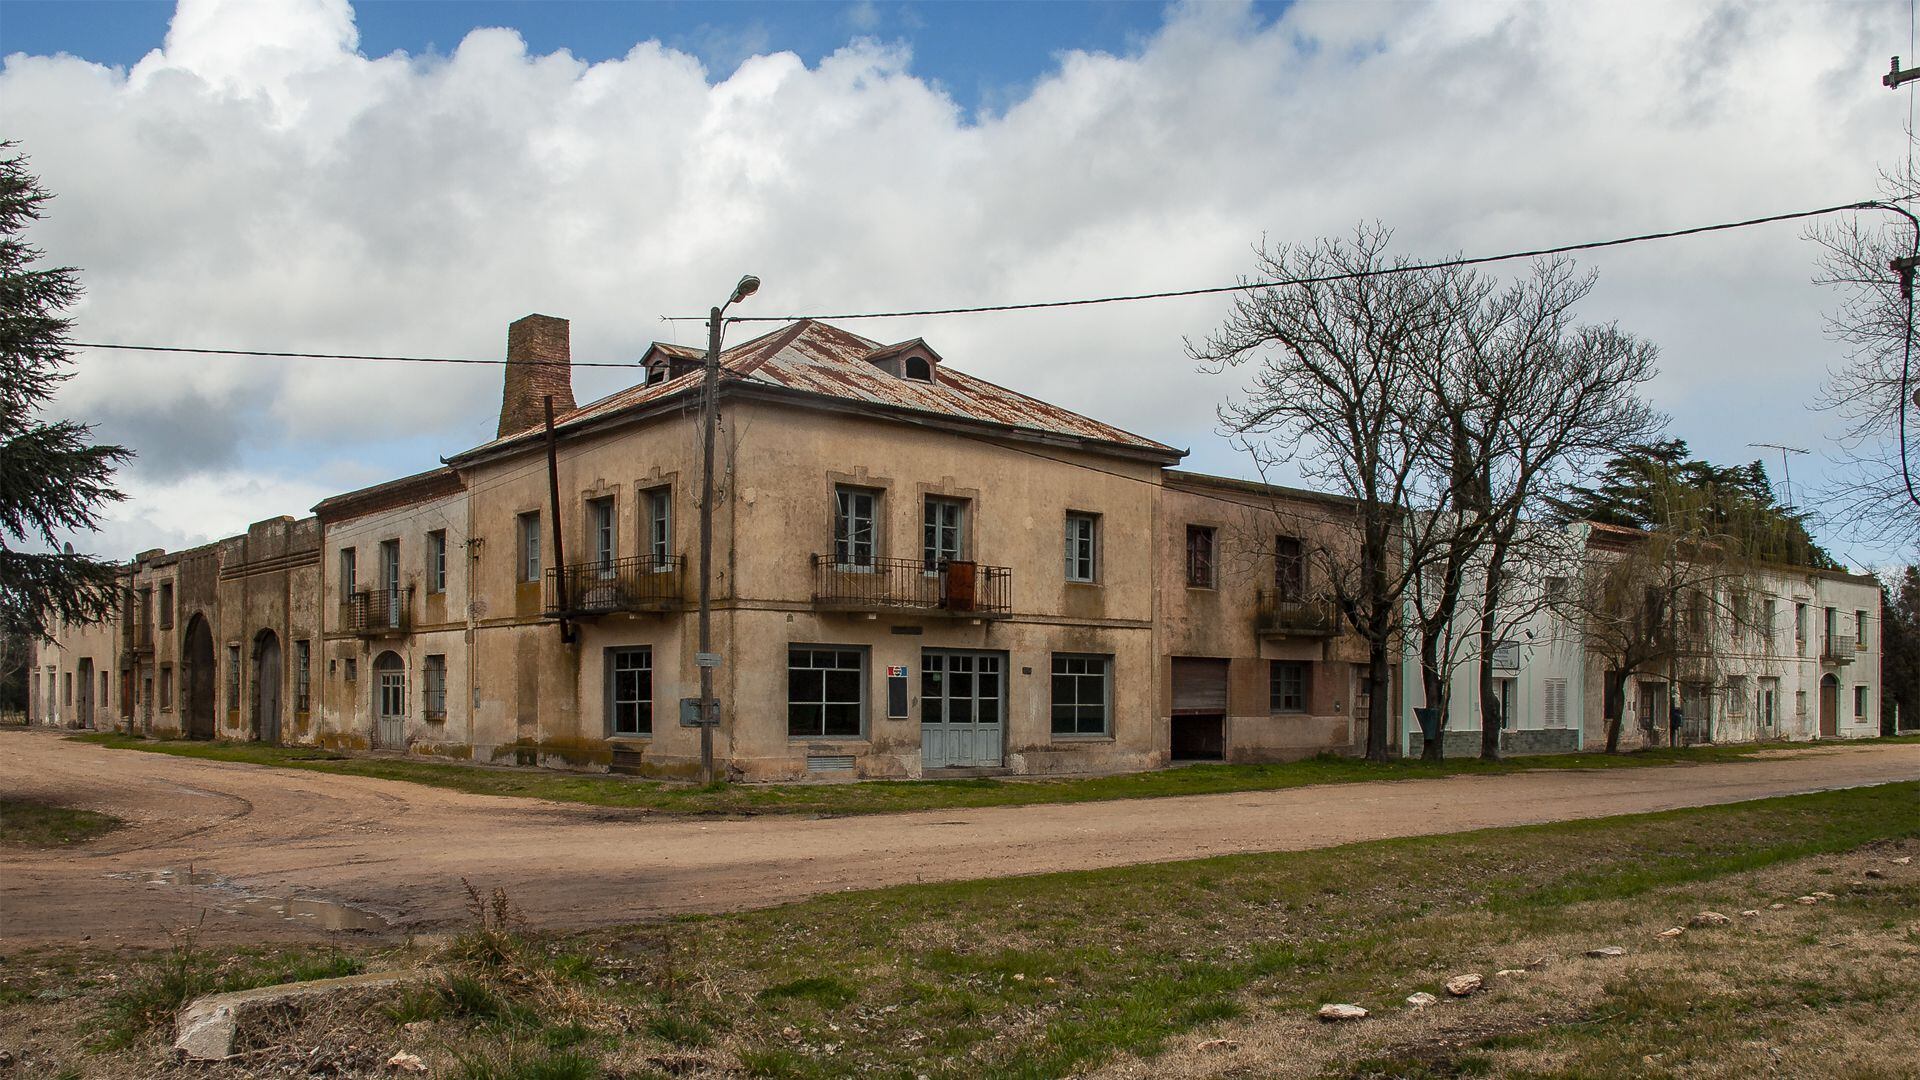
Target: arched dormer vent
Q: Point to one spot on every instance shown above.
(912, 361)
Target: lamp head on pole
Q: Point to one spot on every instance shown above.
(747, 287)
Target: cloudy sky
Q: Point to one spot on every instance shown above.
(408, 178)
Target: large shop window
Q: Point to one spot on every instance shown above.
(826, 691)
(1082, 698)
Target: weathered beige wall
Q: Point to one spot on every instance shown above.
(55, 662)
(437, 624)
(269, 584)
(1220, 622)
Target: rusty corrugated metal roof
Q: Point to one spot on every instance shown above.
(818, 358)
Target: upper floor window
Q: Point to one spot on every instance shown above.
(1769, 615)
(437, 561)
(1201, 557)
(1860, 629)
(1083, 535)
(528, 526)
(600, 533)
(166, 605)
(918, 369)
(390, 567)
(1289, 568)
(348, 571)
(1800, 622)
(659, 503)
(854, 541)
(944, 532)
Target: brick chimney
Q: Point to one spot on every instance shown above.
(539, 355)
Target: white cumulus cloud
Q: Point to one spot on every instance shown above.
(258, 182)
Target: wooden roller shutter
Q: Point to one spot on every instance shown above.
(1199, 685)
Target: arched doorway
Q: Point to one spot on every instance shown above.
(390, 702)
(266, 687)
(196, 677)
(1829, 707)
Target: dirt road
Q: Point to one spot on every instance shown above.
(228, 842)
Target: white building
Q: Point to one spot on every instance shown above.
(1778, 653)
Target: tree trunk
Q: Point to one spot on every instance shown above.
(1490, 717)
(1613, 706)
(1434, 689)
(1377, 703)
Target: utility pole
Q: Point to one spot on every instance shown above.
(707, 710)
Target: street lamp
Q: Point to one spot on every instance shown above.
(709, 714)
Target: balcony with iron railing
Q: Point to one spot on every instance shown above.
(1279, 614)
(609, 586)
(961, 589)
(378, 612)
(1838, 650)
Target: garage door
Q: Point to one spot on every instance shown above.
(1199, 685)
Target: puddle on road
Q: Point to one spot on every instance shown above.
(322, 914)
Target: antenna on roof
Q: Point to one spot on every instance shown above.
(1786, 471)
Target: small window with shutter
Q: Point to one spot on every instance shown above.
(1554, 707)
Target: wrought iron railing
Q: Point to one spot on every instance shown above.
(1295, 615)
(379, 612)
(1838, 649)
(959, 588)
(641, 583)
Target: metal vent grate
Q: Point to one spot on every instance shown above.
(830, 763)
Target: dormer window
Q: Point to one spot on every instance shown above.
(910, 360)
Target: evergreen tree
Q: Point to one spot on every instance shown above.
(1900, 650)
(1659, 487)
(53, 478)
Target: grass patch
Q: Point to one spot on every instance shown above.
(31, 823)
(1058, 974)
(876, 797)
(147, 999)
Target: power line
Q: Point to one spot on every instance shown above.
(332, 356)
(1411, 268)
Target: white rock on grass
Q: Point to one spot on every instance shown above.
(1672, 932)
(1709, 918)
(405, 1062)
(1511, 973)
(1904, 860)
(1807, 900)
(1750, 913)
(1776, 906)
(1337, 1013)
(1872, 873)
(1465, 985)
(1823, 896)
(1422, 999)
(1606, 952)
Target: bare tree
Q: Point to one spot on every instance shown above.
(1337, 387)
(1547, 399)
(1872, 323)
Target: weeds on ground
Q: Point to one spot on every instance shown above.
(149, 998)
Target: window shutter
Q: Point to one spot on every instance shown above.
(1556, 703)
